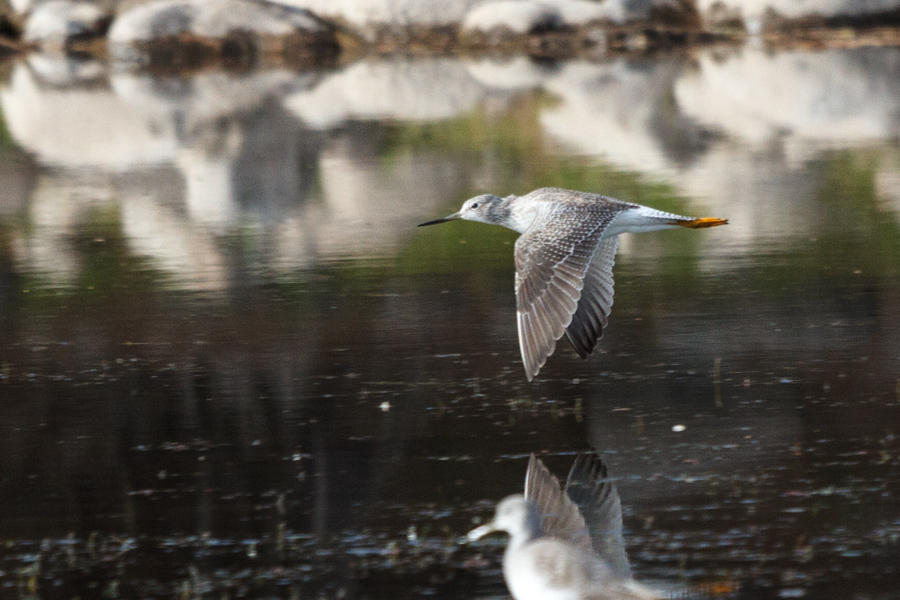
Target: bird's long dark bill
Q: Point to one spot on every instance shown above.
(436, 221)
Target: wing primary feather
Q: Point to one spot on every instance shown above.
(560, 517)
(557, 258)
(589, 488)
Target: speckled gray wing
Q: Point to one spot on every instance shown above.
(588, 488)
(596, 301)
(560, 517)
(553, 259)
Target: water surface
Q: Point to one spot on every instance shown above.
(231, 366)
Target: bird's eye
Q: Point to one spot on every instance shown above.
(475, 205)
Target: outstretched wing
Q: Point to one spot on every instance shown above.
(559, 515)
(553, 258)
(596, 301)
(588, 487)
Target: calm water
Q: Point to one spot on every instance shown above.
(232, 367)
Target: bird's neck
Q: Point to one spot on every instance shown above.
(518, 215)
(530, 530)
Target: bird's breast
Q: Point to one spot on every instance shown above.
(522, 216)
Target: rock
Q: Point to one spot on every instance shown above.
(753, 13)
(514, 16)
(262, 26)
(367, 14)
(53, 25)
(575, 13)
(527, 16)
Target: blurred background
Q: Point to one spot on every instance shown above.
(231, 366)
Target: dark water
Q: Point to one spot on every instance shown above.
(232, 367)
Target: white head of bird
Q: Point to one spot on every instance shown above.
(490, 209)
(515, 515)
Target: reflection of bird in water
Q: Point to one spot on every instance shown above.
(565, 544)
(564, 260)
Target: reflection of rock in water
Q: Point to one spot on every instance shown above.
(833, 97)
(243, 160)
(250, 165)
(397, 88)
(370, 204)
(781, 110)
(517, 73)
(619, 111)
(80, 127)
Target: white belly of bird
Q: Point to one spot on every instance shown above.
(534, 588)
(526, 581)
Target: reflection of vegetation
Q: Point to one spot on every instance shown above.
(853, 237)
(857, 230)
(510, 142)
(106, 265)
(6, 141)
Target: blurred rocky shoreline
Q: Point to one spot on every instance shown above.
(182, 34)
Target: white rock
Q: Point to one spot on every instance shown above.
(753, 11)
(55, 22)
(763, 196)
(516, 16)
(403, 13)
(210, 19)
(777, 112)
(522, 16)
(582, 12)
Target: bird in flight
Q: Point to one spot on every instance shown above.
(564, 260)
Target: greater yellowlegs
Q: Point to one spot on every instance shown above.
(564, 260)
(565, 544)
